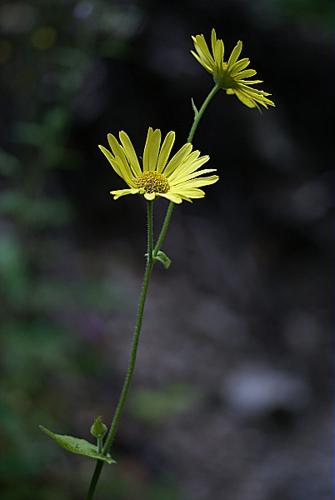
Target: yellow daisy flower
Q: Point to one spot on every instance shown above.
(231, 75)
(176, 179)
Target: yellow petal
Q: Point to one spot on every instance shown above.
(257, 95)
(247, 101)
(154, 150)
(202, 62)
(188, 167)
(195, 183)
(218, 54)
(165, 151)
(111, 159)
(235, 53)
(201, 47)
(146, 151)
(130, 153)
(193, 175)
(213, 39)
(121, 168)
(177, 159)
(171, 196)
(183, 167)
(116, 148)
(239, 65)
(120, 157)
(245, 74)
(150, 196)
(151, 149)
(190, 193)
(250, 82)
(123, 192)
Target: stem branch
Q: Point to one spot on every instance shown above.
(197, 117)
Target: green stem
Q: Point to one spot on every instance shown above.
(197, 117)
(99, 444)
(164, 229)
(133, 354)
(151, 252)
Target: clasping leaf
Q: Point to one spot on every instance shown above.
(162, 258)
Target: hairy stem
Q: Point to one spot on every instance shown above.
(133, 353)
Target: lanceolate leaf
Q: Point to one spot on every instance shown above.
(78, 446)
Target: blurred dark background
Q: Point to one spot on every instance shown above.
(232, 394)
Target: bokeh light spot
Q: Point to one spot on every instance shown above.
(44, 38)
(83, 9)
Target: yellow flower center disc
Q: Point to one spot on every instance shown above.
(153, 182)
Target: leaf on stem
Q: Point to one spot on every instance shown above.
(162, 258)
(195, 109)
(77, 445)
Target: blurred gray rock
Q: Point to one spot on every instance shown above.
(257, 390)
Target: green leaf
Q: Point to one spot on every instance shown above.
(163, 259)
(195, 109)
(77, 445)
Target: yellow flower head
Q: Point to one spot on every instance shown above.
(176, 179)
(230, 75)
